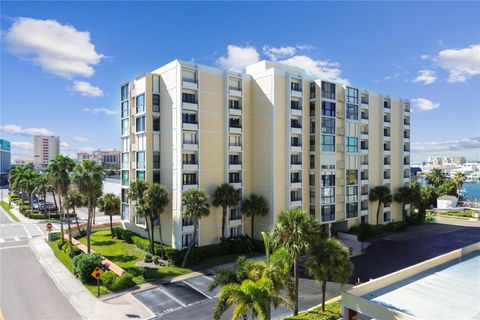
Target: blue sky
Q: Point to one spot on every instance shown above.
(62, 62)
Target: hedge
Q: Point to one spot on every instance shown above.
(84, 264)
(116, 283)
(366, 231)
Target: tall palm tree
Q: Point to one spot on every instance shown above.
(248, 297)
(404, 196)
(58, 171)
(156, 199)
(110, 205)
(252, 206)
(75, 200)
(136, 192)
(295, 231)
(195, 207)
(382, 195)
(436, 177)
(459, 179)
(328, 260)
(42, 187)
(15, 176)
(225, 196)
(88, 176)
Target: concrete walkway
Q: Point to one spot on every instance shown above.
(89, 307)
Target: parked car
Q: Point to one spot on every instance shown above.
(48, 207)
(37, 204)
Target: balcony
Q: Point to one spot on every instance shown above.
(236, 184)
(189, 84)
(294, 203)
(190, 125)
(364, 166)
(296, 166)
(296, 92)
(296, 148)
(296, 184)
(190, 106)
(235, 166)
(406, 149)
(235, 129)
(235, 91)
(190, 145)
(296, 112)
(364, 176)
(235, 111)
(190, 166)
(186, 187)
(406, 123)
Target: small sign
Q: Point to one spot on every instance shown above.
(97, 273)
(49, 226)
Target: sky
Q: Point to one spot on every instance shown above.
(62, 63)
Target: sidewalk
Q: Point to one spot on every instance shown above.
(89, 307)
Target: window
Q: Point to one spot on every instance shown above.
(312, 125)
(328, 180)
(156, 176)
(156, 159)
(295, 86)
(125, 127)
(328, 125)
(386, 103)
(312, 108)
(140, 124)
(328, 212)
(156, 124)
(352, 95)
(311, 180)
(236, 232)
(140, 221)
(386, 216)
(189, 137)
(328, 195)
(141, 160)
(234, 159)
(235, 84)
(352, 177)
(295, 123)
(295, 159)
(328, 109)
(124, 92)
(328, 90)
(312, 161)
(234, 177)
(312, 143)
(189, 178)
(296, 195)
(295, 105)
(125, 212)
(140, 103)
(235, 214)
(235, 123)
(351, 144)
(328, 143)
(189, 76)
(364, 99)
(141, 175)
(312, 90)
(125, 178)
(189, 158)
(295, 141)
(295, 177)
(125, 159)
(235, 140)
(189, 118)
(187, 239)
(352, 111)
(189, 98)
(124, 109)
(352, 193)
(234, 104)
(156, 103)
(352, 210)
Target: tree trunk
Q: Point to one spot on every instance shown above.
(224, 217)
(89, 225)
(160, 236)
(253, 223)
(295, 275)
(61, 218)
(44, 204)
(404, 215)
(324, 290)
(152, 251)
(184, 262)
(94, 211)
(70, 234)
(378, 211)
(152, 231)
(111, 225)
(54, 201)
(31, 202)
(76, 219)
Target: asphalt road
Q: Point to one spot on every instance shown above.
(26, 291)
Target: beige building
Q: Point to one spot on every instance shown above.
(45, 148)
(273, 131)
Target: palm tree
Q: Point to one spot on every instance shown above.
(237, 274)
(404, 196)
(136, 194)
(110, 205)
(75, 200)
(382, 195)
(59, 170)
(42, 187)
(459, 179)
(328, 260)
(88, 176)
(225, 196)
(195, 207)
(436, 177)
(248, 297)
(295, 232)
(156, 199)
(252, 206)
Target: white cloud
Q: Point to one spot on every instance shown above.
(18, 130)
(426, 77)
(80, 139)
(446, 146)
(20, 145)
(277, 53)
(424, 57)
(65, 145)
(108, 112)
(461, 64)
(322, 69)
(85, 149)
(422, 104)
(58, 49)
(86, 89)
(238, 58)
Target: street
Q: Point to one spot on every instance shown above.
(26, 291)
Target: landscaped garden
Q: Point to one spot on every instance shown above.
(333, 311)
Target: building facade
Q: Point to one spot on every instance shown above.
(107, 158)
(273, 131)
(45, 148)
(5, 161)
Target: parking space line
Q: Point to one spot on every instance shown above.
(2, 240)
(196, 289)
(26, 230)
(16, 238)
(173, 298)
(41, 232)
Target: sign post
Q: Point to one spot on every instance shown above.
(97, 274)
(49, 227)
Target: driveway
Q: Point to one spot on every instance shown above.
(414, 245)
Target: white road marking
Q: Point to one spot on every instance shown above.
(13, 247)
(196, 289)
(2, 240)
(16, 238)
(173, 298)
(41, 232)
(26, 230)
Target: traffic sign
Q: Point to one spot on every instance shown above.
(49, 226)
(97, 273)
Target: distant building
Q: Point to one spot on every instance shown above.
(459, 160)
(447, 202)
(107, 158)
(5, 161)
(23, 161)
(85, 156)
(45, 148)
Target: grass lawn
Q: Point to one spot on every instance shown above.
(125, 255)
(67, 262)
(333, 311)
(211, 262)
(7, 209)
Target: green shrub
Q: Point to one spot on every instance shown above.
(366, 231)
(396, 226)
(429, 217)
(148, 258)
(84, 264)
(242, 244)
(156, 259)
(116, 283)
(59, 244)
(66, 249)
(108, 279)
(333, 311)
(123, 234)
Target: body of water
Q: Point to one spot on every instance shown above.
(472, 191)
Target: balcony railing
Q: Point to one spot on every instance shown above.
(364, 116)
(364, 177)
(386, 148)
(405, 148)
(406, 122)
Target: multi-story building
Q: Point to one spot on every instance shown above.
(23, 161)
(5, 161)
(45, 148)
(107, 158)
(273, 131)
